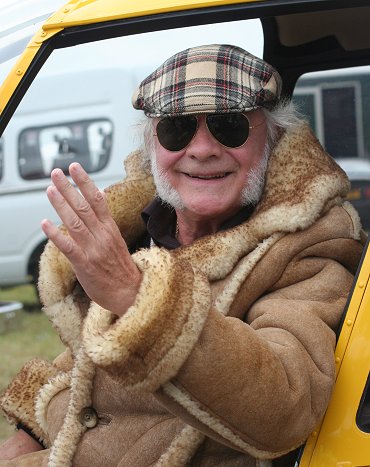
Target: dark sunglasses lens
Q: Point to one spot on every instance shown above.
(176, 133)
(231, 130)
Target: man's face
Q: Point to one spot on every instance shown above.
(207, 179)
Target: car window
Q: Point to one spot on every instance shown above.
(79, 105)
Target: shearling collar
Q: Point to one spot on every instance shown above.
(302, 183)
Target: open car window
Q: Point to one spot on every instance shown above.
(79, 105)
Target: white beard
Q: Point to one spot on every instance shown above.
(164, 190)
(253, 188)
(250, 195)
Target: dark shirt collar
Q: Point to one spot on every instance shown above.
(160, 221)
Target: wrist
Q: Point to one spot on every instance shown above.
(30, 434)
(20, 443)
(126, 297)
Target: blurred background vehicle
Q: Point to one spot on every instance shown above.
(336, 103)
(358, 171)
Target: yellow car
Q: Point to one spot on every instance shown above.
(69, 93)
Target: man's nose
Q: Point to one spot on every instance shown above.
(203, 145)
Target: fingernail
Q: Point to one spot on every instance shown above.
(45, 223)
(58, 173)
(75, 166)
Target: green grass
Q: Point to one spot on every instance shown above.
(33, 336)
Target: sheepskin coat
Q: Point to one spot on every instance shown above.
(226, 357)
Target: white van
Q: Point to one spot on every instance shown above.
(44, 135)
(90, 119)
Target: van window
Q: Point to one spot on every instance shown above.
(336, 104)
(41, 149)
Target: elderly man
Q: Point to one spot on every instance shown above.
(199, 298)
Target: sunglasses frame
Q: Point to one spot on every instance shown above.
(251, 127)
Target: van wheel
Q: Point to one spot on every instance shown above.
(33, 271)
(35, 305)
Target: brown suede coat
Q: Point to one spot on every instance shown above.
(226, 356)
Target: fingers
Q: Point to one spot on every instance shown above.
(86, 216)
(78, 228)
(90, 192)
(64, 242)
(90, 207)
(94, 246)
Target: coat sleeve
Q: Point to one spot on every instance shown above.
(17, 402)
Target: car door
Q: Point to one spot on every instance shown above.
(299, 37)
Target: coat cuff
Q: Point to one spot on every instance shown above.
(18, 400)
(147, 346)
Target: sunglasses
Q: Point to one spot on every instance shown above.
(231, 130)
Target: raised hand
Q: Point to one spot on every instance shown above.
(95, 247)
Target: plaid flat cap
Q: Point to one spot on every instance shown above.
(208, 79)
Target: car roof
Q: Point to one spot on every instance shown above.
(94, 11)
